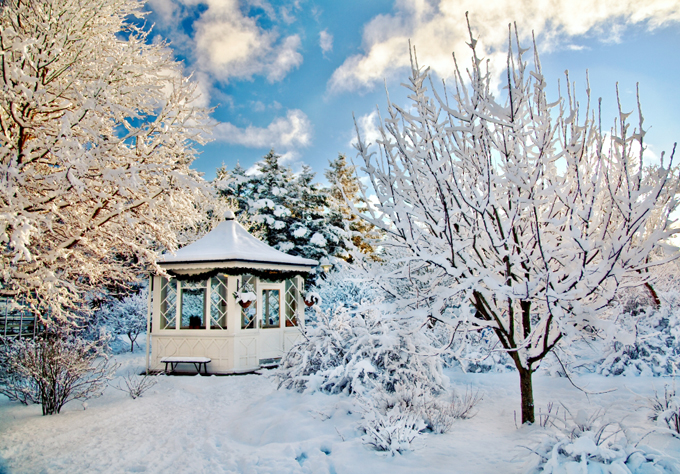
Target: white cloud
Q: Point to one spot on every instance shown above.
(437, 28)
(369, 129)
(326, 41)
(228, 43)
(290, 132)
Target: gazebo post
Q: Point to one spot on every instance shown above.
(148, 322)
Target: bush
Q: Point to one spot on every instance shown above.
(666, 409)
(53, 369)
(585, 443)
(355, 351)
(644, 340)
(392, 420)
(136, 385)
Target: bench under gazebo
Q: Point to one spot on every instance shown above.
(231, 299)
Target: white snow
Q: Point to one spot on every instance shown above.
(300, 231)
(318, 240)
(230, 241)
(243, 424)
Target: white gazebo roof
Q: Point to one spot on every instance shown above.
(230, 245)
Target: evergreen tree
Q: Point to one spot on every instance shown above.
(288, 212)
(345, 186)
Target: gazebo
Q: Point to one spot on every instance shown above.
(231, 298)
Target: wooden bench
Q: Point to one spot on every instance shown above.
(197, 361)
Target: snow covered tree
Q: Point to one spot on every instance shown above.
(345, 186)
(289, 212)
(524, 211)
(97, 125)
(128, 316)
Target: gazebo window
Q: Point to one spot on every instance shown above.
(192, 304)
(249, 314)
(218, 302)
(271, 309)
(291, 303)
(168, 303)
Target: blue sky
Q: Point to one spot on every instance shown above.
(288, 75)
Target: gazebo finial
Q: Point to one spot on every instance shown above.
(229, 215)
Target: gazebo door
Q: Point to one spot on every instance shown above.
(271, 321)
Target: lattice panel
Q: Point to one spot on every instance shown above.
(291, 303)
(249, 314)
(168, 304)
(218, 303)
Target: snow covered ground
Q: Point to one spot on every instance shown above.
(244, 424)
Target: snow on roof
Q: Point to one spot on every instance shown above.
(229, 241)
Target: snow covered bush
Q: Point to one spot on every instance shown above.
(644, 338)
(387, 360)
(392, 430)
(354, 352)
(666, 409)
(585, 443)
(53, 369)
(136, 385)
(393, 419)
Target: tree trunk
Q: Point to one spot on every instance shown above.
(527, 391)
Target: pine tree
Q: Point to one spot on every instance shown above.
(288, 212)
(345, 187)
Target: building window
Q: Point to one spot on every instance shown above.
(192, 304)
(271, 309)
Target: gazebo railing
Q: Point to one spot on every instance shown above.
(15, 319)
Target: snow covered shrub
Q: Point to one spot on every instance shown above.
(666, 410)
(356, 351)
(585, 443)
(643, 340)
(440, 413)
(392, 431)
(53, 369)
(136, 385)
(393, 419)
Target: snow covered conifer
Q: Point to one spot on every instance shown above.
(524, 211)
(287, 211)
(94, 159)
(346, 187)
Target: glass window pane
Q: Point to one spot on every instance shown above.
(192, 309)
(271, 310)
(168, 303)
